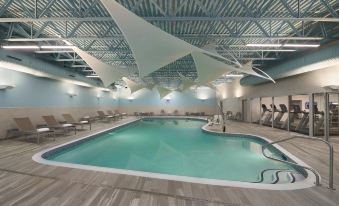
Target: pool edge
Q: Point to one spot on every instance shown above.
(308, 182)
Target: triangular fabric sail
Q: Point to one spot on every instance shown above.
(133, 86)
(248, 68)
(208, 68)
(107, 73)
(152, 47)
(150, 86)
(163, 92)
(186, 83)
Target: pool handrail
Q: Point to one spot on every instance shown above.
(330, 147)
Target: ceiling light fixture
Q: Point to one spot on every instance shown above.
(20, 47)
(234, 75)
(56, 47)
(92, 76)
(301, 45)
(263, 45)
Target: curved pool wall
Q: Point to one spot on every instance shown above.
(42, 157)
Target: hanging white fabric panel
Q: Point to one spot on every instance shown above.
(208, 68)
(132, 85)
(186, 83)
(107, 73)
(163, 92)
(152, 48)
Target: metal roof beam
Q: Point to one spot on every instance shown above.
(173, 18)
(195, 36)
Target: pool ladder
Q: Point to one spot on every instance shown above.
(317, 176)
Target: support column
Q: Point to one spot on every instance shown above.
(273, 110)
(260, 109)
(289, 112)
(327, 118)
(311, 115)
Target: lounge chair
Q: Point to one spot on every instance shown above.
(53, 123)
(103, 116)
(27, 128)
(70, 120)
(115, 116)
(121, 115)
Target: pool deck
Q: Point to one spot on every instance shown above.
(26, 182)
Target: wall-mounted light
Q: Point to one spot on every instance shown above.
(6, 86)
(332, 88)
(105, 89)
(72, 94)
(130, 99)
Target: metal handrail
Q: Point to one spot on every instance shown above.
(330, 147)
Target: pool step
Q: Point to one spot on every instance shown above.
(276, 176)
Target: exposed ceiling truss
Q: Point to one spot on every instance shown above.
(226, 25)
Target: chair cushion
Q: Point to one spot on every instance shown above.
(67, 125)
(84, 122)
(42, 129)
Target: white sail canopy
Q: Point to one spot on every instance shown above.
(208, 68)
(107, 73)
(163, 92)
(185, 83)
(133, 86)
(152, 48)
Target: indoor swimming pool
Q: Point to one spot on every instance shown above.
(178, 149)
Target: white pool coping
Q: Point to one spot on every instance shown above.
(308, 182)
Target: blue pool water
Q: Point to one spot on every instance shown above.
(174, 147)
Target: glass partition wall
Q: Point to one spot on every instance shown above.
(318, 111)
(333, 114)
(310, 114)
(266, 111)
(256, 112)
(299, 114)
(280, 116)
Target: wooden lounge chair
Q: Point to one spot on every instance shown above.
(103, 116)
(53, 123)
(115, 116)
(122, 114)
(70, 120)
(27, 128)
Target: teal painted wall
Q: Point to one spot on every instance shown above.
(32, 91)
